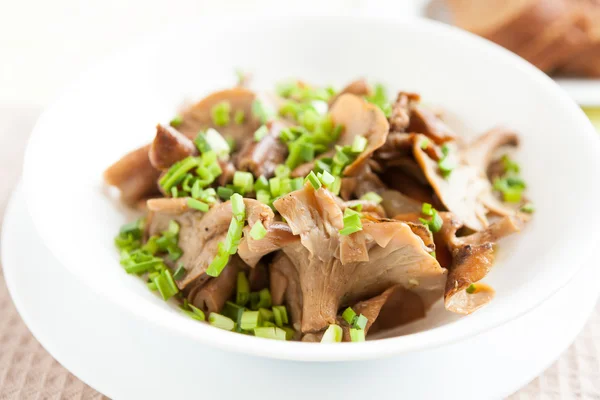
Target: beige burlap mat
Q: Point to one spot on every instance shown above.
(27, 371)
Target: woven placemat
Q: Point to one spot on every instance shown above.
(27, 371)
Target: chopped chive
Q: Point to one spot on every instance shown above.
(224, 193)
(261, 183)
(352, 222)
(218, 145)
(197, 311)
(263, 196)
(270, 333)
(326, 178)
(260, 133)
(234, 312)
(243, 289)
(360, 322)
(166, 285)
(177, 172)
(239, 117)
(220, 113)
(201, 143)
(282, 171)
(357, 335)
(197, 205)
(314, 181)
(333, 334)
(176, 121)
(264, 299)
(179, 273)
(250, 320)
(509, 165)
(243, 180)
(266, 315)
(528, 208)
(471, 289)
(427, 209)
(258, 231)
(359, 144)
(275, 186)
(446, 166)
(260, 112)
(221, 321)
(280, 315)
(372, 196)
(349, 315)
(424, 143)
(151, 285)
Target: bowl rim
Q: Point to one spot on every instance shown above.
(299, 351)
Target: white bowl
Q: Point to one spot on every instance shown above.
(114, 108)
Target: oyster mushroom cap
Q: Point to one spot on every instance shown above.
(472, 259)
(359, 87)
(200, 233)
(169, 146)
(328, 279)
(198, 116)
(211, 297)
(134, 176)
(359, 118)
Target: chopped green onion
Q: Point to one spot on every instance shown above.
(151, 285)
(254, 300)
(372, 196)
(224, 193)
(243, 289)
(275, 186)
(220, 113)
(424, 143)
(289, 332)
(528, 208)
(333, 334)
(352, 222)
(177, 172)
(237, 207)
(221, 321)
(180, 272)
(264, 299)
(263, 196)
(261, 133)
(260, 111)
(261, 183)
(357, 335)
(359, 144)
(201, 143)
(176, 121)
(282, 171)
(510, 165)
(197, 311)
(471, 289)
(280, 315)
(270, 333)
(166, 285)
(266, 315)
(232, 239)
(250, 320)
(234, 312)
(436, 222)
(446, 166)
(314, 181)
(243, 180)
(427, 209)
(360, 322)
(379, 98)
(349, 315)
(217, 143)
(239, 117)
(326, 178)
(197, 205)
(258, 231)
